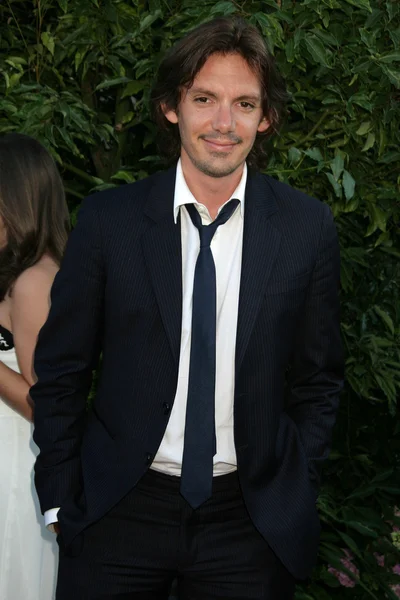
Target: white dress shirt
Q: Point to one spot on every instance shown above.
(226, 248)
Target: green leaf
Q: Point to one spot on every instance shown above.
(391, 489)
(63, 4)
(69, 141)
(272, 29)
(16, 60)
(368, 37)
(392, 8)
(79, 56)
(148, 20)
(132, 88)
(290, 50)
(394, 76)
(386, 386)
(261, 18)
(350, 543)
(7, 79)
(48, 41)
(332, 554)
(298, 37)
(326, 37)
(375, 18)
(363, 492)
(385, 318)
(126, 176)
(390, 157)
(64, 109)
(154, 158)
(337, 165)
(336, 186)
(14, 79)
(223, 8)
(111, 83)
(80, 119)
(317, 50)
(331, 100)
(127, 118)
(143, 67)
(341, 142)
(369, 143)
(349, 185)
(389, 58)
(363, 4)
(362, 528)
(294, 155)
(364, 128)
(362, 100)
(314, 154)
(378, 219)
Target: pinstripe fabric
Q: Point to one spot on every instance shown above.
(214, 552)
(119, 291)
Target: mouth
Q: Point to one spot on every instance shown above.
(217, 146)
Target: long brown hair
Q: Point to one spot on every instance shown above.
(32, 207)
(177, 71)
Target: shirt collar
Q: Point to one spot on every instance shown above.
(184, 196)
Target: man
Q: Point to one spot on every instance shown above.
(212, 293)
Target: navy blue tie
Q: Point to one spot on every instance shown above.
(200, 441)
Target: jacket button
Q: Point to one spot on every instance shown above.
(149, 458)
(167, 408)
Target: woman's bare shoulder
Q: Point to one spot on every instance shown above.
(37, 277)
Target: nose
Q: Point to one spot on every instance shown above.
(224, 121)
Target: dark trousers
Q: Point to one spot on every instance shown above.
(152, 536)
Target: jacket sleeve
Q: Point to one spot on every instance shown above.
(67, 352)
(316, 375)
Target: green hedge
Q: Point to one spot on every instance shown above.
(77, 76)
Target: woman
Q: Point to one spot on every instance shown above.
(33, 232)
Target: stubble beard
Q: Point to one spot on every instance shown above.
(212, 170)
(221, 167)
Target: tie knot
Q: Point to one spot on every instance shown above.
(206, 232)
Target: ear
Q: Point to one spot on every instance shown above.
(169, 114)
(264, 125)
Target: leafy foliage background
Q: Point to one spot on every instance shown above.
(77, 75)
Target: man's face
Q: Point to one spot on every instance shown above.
(220, 115)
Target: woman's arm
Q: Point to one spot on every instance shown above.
(14, 390)
(29, 310)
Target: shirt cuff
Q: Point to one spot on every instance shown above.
(50, 517)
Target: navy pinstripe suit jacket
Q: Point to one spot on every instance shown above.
(119, 292)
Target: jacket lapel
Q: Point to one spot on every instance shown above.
(163, 255)
(260, 248)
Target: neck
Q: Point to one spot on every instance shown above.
(213, 192)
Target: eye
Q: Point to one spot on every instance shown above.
(247, 105)
(201, 100)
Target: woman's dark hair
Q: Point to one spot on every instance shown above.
(177, 71)
(32, 207)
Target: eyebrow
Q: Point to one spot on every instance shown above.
(245, 98)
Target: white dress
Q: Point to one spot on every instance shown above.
(28, 551)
